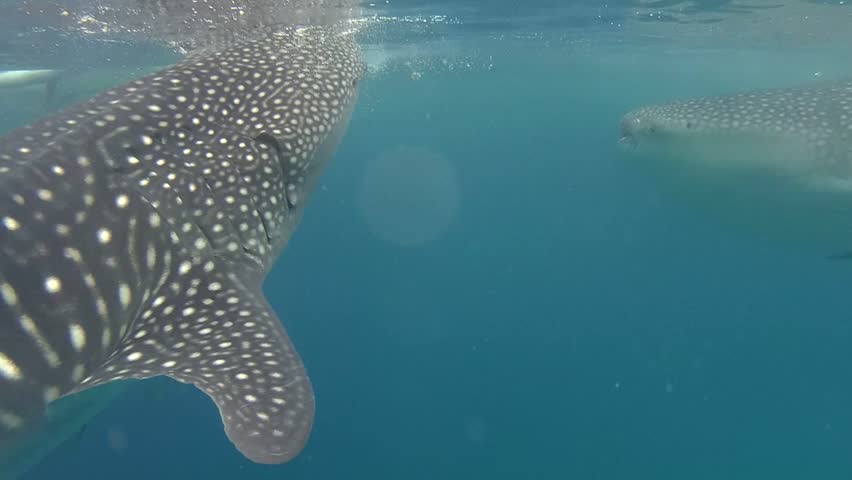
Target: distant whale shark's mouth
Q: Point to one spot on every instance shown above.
(626, 138)
(628, 128)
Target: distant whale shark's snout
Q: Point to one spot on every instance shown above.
(657, 124)
(627, 131)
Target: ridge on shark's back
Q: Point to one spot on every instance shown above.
(136, 230)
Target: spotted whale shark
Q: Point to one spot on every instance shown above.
(775, 162)
(137, 228)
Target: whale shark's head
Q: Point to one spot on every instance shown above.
(772, 133)
(777, 160)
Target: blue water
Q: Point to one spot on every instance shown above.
(558, 316)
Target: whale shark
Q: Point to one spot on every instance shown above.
(776, 162)
(137, 228)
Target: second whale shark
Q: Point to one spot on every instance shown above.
(776, 162)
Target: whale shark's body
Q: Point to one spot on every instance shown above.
(136, 230)
(776, 162)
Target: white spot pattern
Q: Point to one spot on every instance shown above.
(161, 228)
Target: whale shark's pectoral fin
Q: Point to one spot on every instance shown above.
(214, 330)
(841, 256)
(50, 92)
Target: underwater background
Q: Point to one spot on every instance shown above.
(484, 288)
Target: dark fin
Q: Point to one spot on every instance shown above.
(50, 93)
(208, 327)
(82, 431)
(840, 256)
